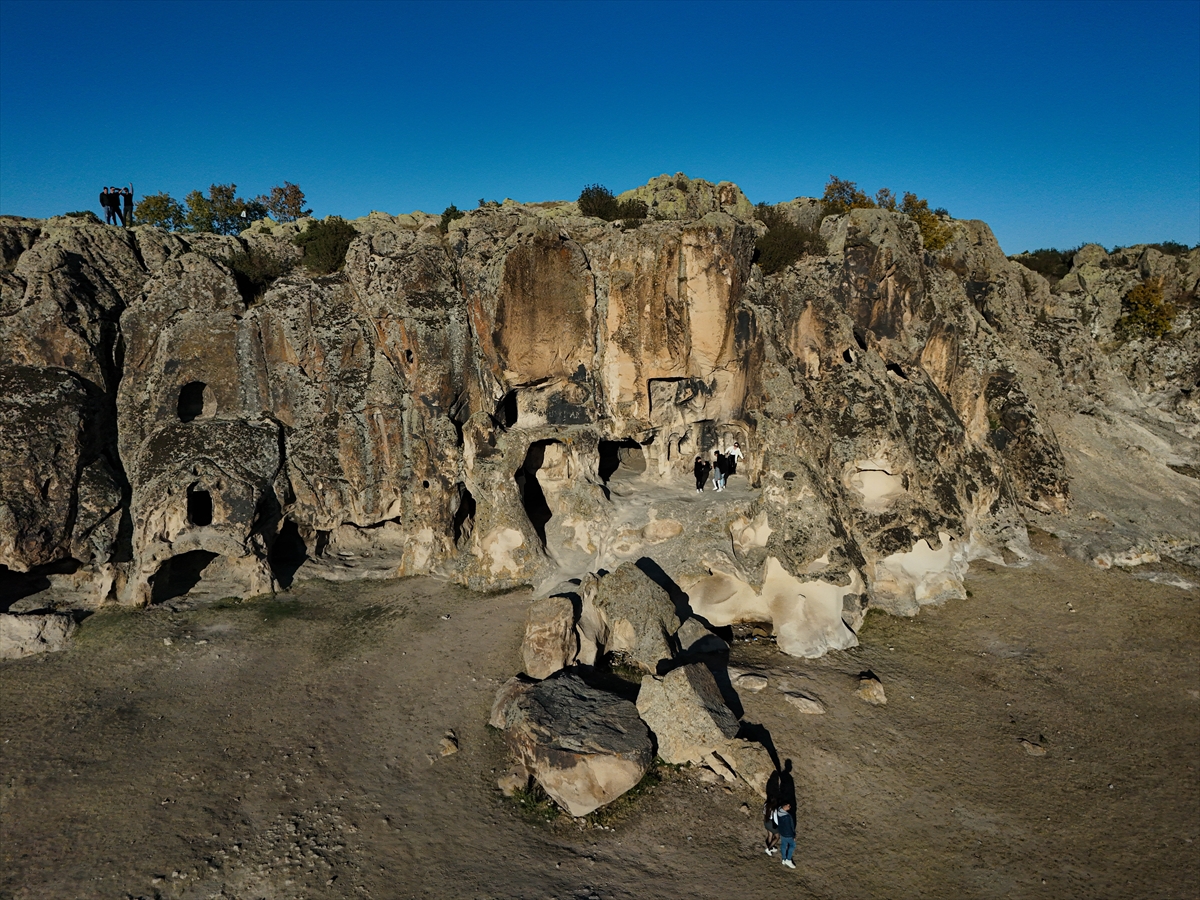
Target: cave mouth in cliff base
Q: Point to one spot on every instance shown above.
(191, 400)
(288, 554)
(464, 515)
(199, 506)
(507, 410)
(178, 575)
(621, 458)
(532, 496)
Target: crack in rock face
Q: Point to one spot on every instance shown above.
(538, 398)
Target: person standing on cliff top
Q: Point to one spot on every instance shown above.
(127, 200)
(106, 205)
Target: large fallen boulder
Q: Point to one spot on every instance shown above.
(550, 640)
(626, 612)
(585, 747)
(27, 635)
(685, 711)
(692, 724)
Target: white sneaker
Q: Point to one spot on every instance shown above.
(770, 852)
(789, 864)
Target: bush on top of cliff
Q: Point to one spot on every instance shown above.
(842, 196)
(785, 242)
(1146, 314)
(255, 270)
(598, 202)
(449, 214)
(935, 233)
(1049, 262)
(325, 244)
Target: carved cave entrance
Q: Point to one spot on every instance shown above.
(199, 506)
(464, 515)
(624, 457)
(533, 498)
(287, 554)
(178, 575)
(194, 401)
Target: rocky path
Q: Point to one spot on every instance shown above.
(289, 749)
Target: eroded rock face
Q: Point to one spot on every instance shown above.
(685, 711)
(522, 399)
(584, 746)
(28, 635)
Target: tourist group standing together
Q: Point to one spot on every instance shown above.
(724, 463)
(117, 204)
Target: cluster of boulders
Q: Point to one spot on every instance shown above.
(584, 742)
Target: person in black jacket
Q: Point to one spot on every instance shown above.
(106, 203)
(700, 470)
(127, 201)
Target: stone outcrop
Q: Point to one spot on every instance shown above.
(584, 746)
(687, 714)
(521, 399)
(33, 633)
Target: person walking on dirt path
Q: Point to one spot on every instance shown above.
(787, 834)
(127, 201)
(700, 470)
(769, 807)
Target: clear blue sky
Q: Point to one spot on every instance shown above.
(1057, 123)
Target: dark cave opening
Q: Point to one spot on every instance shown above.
(616, 455)
(288, 554)
(532, 496)
(178, 575)
(191, 401)
(506, 410)
(464, 515)
(199, 506)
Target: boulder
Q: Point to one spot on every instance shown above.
(870, 689)
(685, 711)
(550, 640)
(694, 637)
(26, 635)
(585, 747)
(804, 703)
(637, 617)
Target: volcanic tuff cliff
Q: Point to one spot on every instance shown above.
(521, 400)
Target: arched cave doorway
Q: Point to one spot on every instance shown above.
(624, 457)
(191, 400)
(464, 515)
(532, 496)
(178, 575)
(287, 554)
(199, 506)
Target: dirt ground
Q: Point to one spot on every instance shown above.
(287, 748)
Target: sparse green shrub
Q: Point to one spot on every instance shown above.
(255, 270)
(489, 204)
(285, 203)
(1171, 248)
(325, 244)
(84, 214)
(842, 196)
(1146, 314)
(597, 201)
(935, 233)
(1051, 263)
(885, 199)
(785, 242)
(221, 211)
(449, 214)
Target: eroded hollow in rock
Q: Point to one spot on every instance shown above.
(506, 410)
(199, 506)
(191, 400)
(178, 575)
(288, 553)
(464, 515)
(621, 458)
(532, 496)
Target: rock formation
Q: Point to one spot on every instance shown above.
(520, 401)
